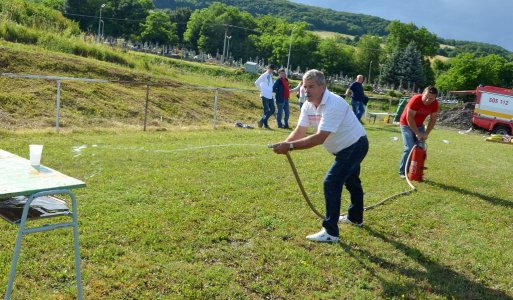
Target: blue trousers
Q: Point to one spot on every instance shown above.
(283, 107)
(345, 171)
(268, 106)
(358, 108)
(409, 140)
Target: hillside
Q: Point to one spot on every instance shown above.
(174, 99)
(320, 18)
(323, 19)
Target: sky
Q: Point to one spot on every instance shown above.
(489, 21)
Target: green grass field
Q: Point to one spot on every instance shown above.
(214, 214)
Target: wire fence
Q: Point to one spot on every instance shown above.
(149, 100)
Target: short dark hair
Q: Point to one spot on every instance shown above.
(431, 90)
(281, 70)
(271, 66)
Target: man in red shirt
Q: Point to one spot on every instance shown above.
(412, 122)
(282, 90)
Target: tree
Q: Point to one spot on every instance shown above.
(335, 57)
(207, 28)
(391, 68)
(410, 66)
(466, 72)
(400, 35)
(55, 4)
(120, 17)
(368, 49)
(180, 17)
(158, 28)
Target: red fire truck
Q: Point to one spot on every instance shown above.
(493, 110)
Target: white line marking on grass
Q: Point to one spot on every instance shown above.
(184, 149)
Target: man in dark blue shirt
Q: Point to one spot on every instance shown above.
(355, 91)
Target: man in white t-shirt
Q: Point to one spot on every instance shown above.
(264, 84)
(338, 129)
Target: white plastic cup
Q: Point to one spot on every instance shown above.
(35, 155)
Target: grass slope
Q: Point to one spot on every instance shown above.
(30, 103)
(214, 214)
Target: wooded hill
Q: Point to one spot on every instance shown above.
(331, 20)
(320, 18)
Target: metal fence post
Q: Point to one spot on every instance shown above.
(58, 108)
(146, 105)
(215, 107)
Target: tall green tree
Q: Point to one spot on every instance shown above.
(122, 18)
(180, 17)
(399, 38)
(335, 57)
(367, 56)
(401, 34)
(158, 28)
(410, 66)
(208, 27)
(391, 73)
(276, 36)
(466, 71)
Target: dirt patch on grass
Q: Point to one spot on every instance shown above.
(458, 117)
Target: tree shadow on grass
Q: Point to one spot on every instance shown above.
(431, 278)
(490, 199)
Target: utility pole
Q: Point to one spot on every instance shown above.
(224, 44)
(98, 37)
(228, 46)
(380, 70)
(369, 78)
(290, 47)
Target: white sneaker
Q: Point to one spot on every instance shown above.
(345, 220)
(322, 236)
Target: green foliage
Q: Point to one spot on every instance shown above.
(36, 15)
(393, 93)
(400, 35)
(466, 71)
(13, 32)
(335, 57)
(408, 49)
(180, 17)
(208, 27)
(320, 18)
(477, 48)
(114, 15)
(411, 65)
(78, 46)
(368, 49)
(159, 29)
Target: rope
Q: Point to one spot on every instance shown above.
(307, 199)
(294, 170)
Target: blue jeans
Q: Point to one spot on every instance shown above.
(409, 140)
(345, 171)
(358, 108)
(283, 107)
(268, 106)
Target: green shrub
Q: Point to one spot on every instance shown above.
(36, 15)
(77, 46)
(13, 32)
(393, 93)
